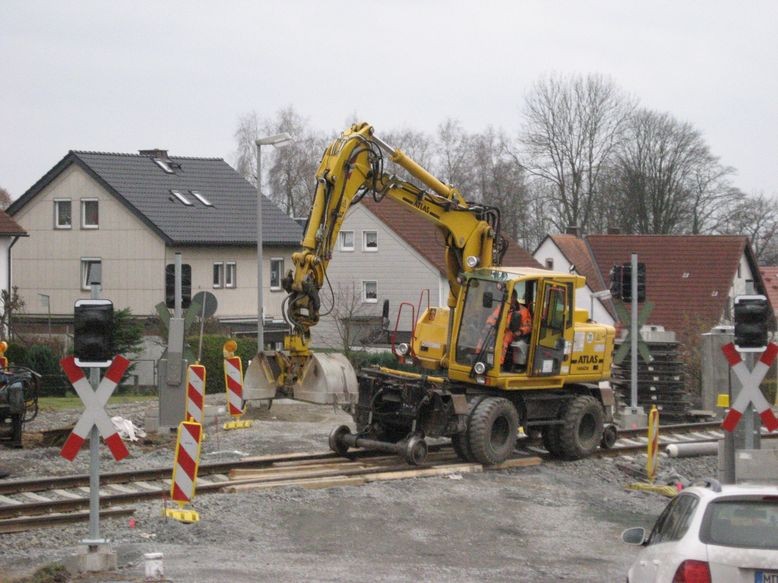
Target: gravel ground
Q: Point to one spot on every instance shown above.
(556, 521)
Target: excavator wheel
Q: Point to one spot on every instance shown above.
(581, 431)
(336, 440)
(493, 430)
(461, 447)
(551, 441)
(416, 450)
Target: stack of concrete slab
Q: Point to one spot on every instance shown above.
(660, 381)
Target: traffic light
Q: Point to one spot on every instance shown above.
(93, 332)
(626, 282)
(170, 285)
(752, 313)
(616, 290)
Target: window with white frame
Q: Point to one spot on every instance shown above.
(63, 216)
(230, 272)
(218, 274)
(369, 291)
(347, 240)
(370, 240)
(276, 272)
(91, 272)
(90, 217)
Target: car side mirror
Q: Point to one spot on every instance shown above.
(634, 536)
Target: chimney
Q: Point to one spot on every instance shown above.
(614, 231)
(573, 230)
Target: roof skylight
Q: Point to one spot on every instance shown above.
(164, 165)
(181, 197)
(199, 196)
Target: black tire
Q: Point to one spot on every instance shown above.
(610, 436)
(461, 447)
(493, 430)
(581, 431)
(551, 440)
(17, 420)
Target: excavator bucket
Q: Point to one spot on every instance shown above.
(326, 379)
(259, 382)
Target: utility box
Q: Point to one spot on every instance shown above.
(716, 377)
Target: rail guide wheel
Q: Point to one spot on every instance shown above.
(336, 440)
(415, 450)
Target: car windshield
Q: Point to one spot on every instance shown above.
(749, 523)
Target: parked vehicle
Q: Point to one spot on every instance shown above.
(510, 349)
(711, 534)
(18, 401)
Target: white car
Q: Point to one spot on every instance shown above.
(711, 534)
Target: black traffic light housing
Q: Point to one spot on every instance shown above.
(621, 282)
(616, 282)
(170, 285)
(93, 332)
(752, 315)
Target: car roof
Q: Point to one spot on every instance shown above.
(715, 490)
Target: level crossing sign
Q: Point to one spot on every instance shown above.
(94, 413)
(750, 393)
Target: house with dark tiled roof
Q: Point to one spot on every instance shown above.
(130, 214)
(570, 253)
(691, 280)
(770, 279)
(386, 252)
(10, 232)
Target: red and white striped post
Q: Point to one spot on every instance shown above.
(94, 414)
(187, 461)
(233, 380)
(195, 393)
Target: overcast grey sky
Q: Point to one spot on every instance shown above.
(122, 76)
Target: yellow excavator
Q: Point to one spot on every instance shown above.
(481, 378)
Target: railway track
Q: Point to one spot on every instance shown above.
(54, 500)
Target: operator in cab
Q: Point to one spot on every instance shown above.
(518, 334)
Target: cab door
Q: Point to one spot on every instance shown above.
(554, 319)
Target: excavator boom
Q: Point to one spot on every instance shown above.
(353, 167)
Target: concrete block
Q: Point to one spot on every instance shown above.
(757, 465)
(633, 420)
(103, 558)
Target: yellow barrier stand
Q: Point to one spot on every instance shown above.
(182, 490)
(653, 443)
(651, 461)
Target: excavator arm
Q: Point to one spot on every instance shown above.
(353, 167)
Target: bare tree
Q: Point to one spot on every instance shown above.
(499, 181)
(245, 156)
(572, 126)
(418, 145)
(292, 169)
(757, 217)
(290, 172)
(354, 320)
(5, 198)
(669, 179)
(454, 157)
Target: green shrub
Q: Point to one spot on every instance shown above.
(213, 358)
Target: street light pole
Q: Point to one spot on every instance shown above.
(277, 140)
